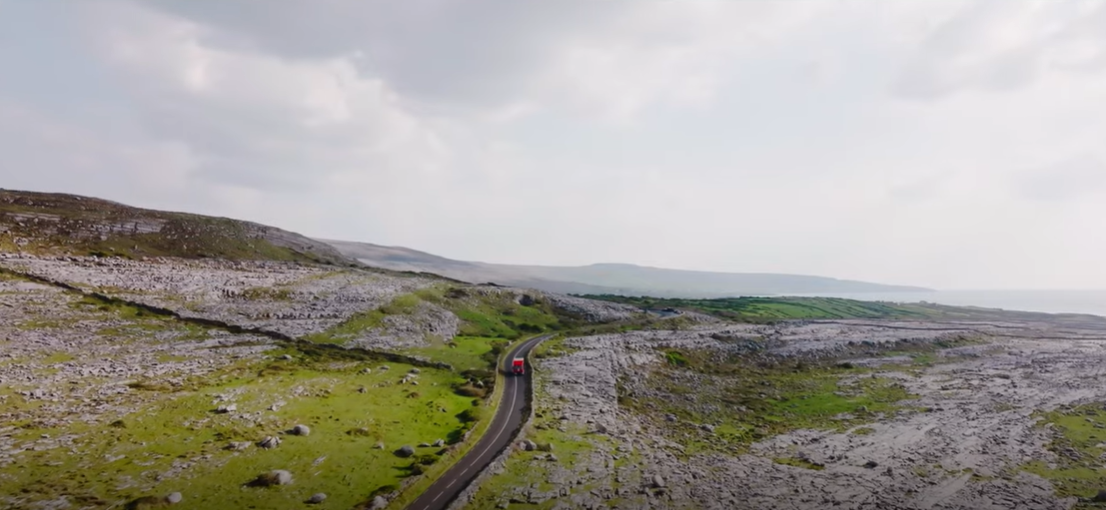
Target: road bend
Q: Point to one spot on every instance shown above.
(504, 427)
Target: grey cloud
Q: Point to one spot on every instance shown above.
(963, 52)
(457, 53)
(1070, 179)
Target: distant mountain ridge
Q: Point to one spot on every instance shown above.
(608, 278)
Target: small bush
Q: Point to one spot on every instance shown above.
(675, 358)
(468, 390)
(472, 414)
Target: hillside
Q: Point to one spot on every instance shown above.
(55, 223)
(772, 309)
(617, 279)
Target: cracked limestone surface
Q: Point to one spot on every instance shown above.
(293, 299)
(959, 443)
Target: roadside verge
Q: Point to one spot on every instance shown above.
(411, 492)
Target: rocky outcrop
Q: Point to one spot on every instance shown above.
(889, 466)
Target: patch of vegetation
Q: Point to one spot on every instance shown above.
(675, 359)
(267, 294)
(772, 309)
(58, 357)
(360, 323)
(133, 455)
(863, 431)
(553, 348)
(1079, 441)
(523, 468)
(463, 352)
(749, 399)
(767, 309)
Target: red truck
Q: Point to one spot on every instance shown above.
(518, 366)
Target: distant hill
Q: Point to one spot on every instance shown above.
(615, 279)
(71, 224)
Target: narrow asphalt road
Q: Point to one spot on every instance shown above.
(507, 422)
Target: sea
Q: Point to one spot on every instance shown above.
(1048, 301)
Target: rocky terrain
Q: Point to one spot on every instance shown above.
(56, 223)
(152, 359)
(196, 380)
(854, 414)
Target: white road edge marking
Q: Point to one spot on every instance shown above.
(514, 393)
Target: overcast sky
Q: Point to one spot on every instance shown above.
(946, 144)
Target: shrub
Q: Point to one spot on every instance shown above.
(675, 358)
(472, 414)
(468, 390)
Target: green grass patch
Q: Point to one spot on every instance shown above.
(553, 348)
(1078, 436)
(372, 319)
(750, 401)
(58, 357)
(136, 455)
(772, 309)
(675, 359)
(524, 469)
(462, 353)
(767, 309)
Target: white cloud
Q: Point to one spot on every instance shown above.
(936, 143)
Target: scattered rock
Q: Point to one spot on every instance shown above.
(707, 427)
(301, 430)
(286, 357)
(379, 503)
(671, 418)
(174, 498)
(414, 371)
(529, 445)
(362, 432)
(316, 498)
(658, 482)
(405, 451)
(551, 457)
(438, 444)
(275, 477)
(383, 367)
(380, 445)
(424, 445)
(226, 409)
(1100, 497)
(871, 464)
(269, 442)
(239, 445)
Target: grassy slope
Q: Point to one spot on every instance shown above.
(173, 441)
(767, 309)
(488, 322)
(71, 224)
